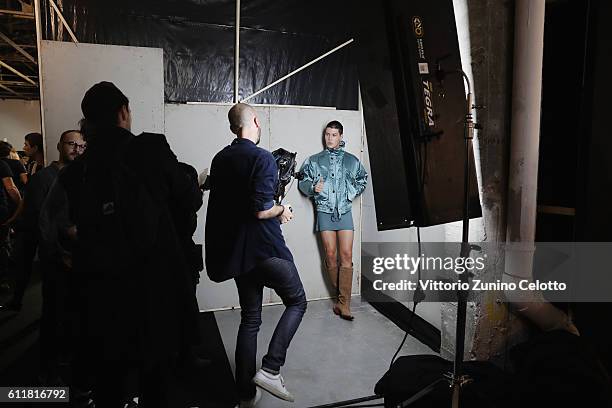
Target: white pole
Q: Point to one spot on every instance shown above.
(237, 54)
(40, 75)
(526, 109)
(298, 70)
(523, 168)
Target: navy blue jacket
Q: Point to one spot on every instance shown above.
(243, 180)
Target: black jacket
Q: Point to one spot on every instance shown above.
(133, 307)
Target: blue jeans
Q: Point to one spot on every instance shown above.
(283, 277)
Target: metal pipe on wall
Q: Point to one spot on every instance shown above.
(40, 75)
(525, 125)
(523, 167)
(237, 54)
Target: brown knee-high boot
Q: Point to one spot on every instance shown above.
(345, 284)
(332, 275)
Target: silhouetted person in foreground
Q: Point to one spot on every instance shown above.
(131, 280)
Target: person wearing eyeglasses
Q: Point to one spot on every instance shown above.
(70, 146)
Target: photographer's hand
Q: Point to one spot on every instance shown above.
(286, 215)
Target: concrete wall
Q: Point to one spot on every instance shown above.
(489, 26)
(18, 118)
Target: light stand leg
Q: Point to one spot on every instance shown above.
(457, 379)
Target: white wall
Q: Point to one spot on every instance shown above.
(68, 70)
(17, 119)
(197, 132)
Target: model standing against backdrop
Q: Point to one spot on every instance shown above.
(333, 178)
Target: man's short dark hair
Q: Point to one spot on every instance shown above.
(5, 148)
(101, 104)
(35, 139)
(67, 132)
(334, 124)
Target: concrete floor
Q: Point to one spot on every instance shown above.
(329, 359)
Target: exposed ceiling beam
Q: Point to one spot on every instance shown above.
(7, 89)
(18, 48)
(18, 14)
(14, 71)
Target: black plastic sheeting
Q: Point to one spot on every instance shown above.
(197, 37)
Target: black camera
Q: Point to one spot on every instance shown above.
(286, 163)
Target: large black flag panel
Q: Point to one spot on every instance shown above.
(414, 104)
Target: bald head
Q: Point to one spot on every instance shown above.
(242, 116)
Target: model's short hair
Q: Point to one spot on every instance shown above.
(334, 124)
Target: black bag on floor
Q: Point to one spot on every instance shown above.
(411, 374)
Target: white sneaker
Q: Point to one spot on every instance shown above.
(274, 384)
(252, 402)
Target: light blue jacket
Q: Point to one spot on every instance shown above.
(345, 178)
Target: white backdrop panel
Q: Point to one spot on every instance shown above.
(197, 132)
(68, 70)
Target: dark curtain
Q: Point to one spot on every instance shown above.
(197, 37)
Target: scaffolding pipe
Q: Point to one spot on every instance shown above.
(14, 71)
(18, 14)
(298, 70)
(18, 48)
(64, 22)
(18, 83)
(7, 89)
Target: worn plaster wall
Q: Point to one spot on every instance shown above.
(491, 37)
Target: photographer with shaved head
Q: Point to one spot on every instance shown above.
(244, 242)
